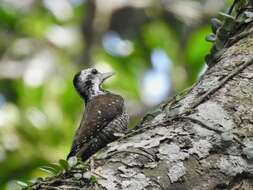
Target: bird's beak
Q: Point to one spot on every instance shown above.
(105, 76)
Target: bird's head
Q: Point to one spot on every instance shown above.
(88, 81)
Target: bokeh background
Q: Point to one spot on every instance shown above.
(156, 47)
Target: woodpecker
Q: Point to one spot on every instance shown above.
(104, 119)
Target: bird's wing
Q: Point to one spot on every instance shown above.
(109, 133)
(99, 112)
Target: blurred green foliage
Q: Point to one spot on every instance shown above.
(41, 49)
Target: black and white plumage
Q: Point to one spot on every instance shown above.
(104, 116)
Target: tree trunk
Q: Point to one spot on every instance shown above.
(202, 139)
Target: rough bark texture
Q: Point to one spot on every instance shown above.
(200, 140)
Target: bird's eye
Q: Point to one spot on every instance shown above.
(94, 71)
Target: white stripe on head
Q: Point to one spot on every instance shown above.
(88, 83)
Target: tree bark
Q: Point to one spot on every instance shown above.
(201, 139)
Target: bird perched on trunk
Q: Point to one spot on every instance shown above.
(104, 118)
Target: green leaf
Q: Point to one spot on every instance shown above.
(211, 38)
(215, 24)
(50, 169)
(226, 16)
(64, 164)
(22, 184)
(55, 166)
(93, 179)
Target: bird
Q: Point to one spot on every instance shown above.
(104, 119)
